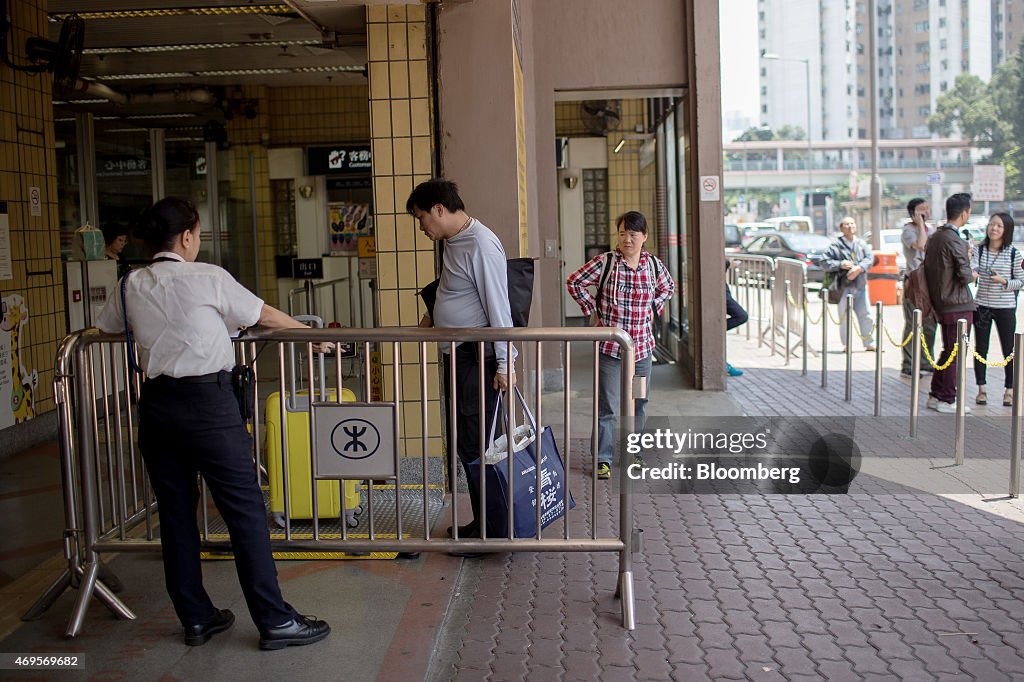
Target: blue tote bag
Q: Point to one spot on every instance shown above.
(554, 487)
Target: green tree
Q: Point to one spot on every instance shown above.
(990, 115)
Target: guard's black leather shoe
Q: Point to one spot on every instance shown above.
(196, 635)
(470, 530)
(299, 631)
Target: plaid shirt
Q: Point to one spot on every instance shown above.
(628, 295)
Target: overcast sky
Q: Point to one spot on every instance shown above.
(738, 20)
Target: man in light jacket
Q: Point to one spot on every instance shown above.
(848, 257)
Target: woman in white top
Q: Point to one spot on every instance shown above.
(181, 314)
(998, 271)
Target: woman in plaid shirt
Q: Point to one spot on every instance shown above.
(635, 290)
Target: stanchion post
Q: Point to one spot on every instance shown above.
(915, 373)
(849, 347)
(1018, 414)
(878, 358)
(746, 293)
(785, 308)
(803, 305)
(771, 321)
(760, 308)
(824, 337)
(961, 388)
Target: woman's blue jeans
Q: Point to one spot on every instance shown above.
(609, 373)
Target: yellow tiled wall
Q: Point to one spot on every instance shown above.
(295, 116)
(625, 190)
(27, 160)
(400, 129)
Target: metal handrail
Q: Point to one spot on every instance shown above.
(88, 535)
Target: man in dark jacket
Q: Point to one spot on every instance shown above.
(947, 269)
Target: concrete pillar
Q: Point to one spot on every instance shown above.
(704, 106)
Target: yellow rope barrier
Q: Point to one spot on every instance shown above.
(1000, 363)
(931, 361)
(810, 320)
(896, 343)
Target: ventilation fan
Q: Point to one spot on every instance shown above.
(601, 115)
(62, 58)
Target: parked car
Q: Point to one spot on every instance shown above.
(892, 242)
(792, 223)
(733, 238)
(799, 245)
(753, 230)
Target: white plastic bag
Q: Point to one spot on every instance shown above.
(522, 435)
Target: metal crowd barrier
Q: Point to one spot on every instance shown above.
(915, 339)
(752, 275)
(311, 300)
(109, 506)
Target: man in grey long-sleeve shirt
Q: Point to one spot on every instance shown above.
(473, 292)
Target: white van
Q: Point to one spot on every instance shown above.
(792, 223)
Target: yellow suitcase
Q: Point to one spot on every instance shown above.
(300, 465)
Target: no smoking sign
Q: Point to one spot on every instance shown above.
(710, 188)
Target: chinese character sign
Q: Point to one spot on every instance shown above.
(989, 183)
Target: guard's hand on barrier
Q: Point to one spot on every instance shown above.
(501, 381)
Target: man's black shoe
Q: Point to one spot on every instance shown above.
(196, 635)
(467, 555)
(407, 555)
(299, 631)
(470, 530)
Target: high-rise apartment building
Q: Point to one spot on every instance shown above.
(923, 45)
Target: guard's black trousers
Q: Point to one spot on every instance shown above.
(467, 409)
(190, 428)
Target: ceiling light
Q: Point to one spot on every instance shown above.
(189, 47)
(178, 12)
(328, 69)
(243, 72)
(619, 146)
(136, 117)
(143, 76)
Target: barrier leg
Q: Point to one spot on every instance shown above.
(803, 304)
(824, 338)
(878, 359)
(760, 311)
(849, 347)
(746, 294)
(961, 387)
(1018, 414)
(785, 308)
(49, 597)
(628, 606)
(771, 321)
(915, 373)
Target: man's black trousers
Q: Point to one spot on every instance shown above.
(467, 408)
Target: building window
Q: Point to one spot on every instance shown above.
(595, 207)
(942, 22)
(764, 108)
(924, 111)
(921, 26)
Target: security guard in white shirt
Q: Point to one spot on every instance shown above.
(180, 313)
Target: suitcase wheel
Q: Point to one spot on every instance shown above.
(352, 518)
(278, 519)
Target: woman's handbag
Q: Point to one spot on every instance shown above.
(554, 485)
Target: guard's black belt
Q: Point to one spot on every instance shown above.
(211, 378)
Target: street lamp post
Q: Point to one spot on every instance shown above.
(810, 153)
